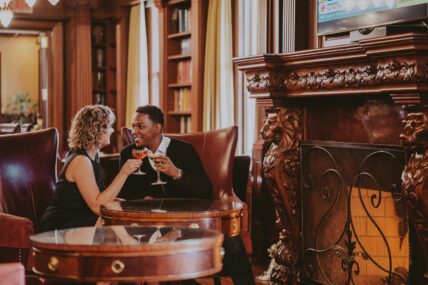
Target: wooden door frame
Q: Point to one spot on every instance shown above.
(55, 32)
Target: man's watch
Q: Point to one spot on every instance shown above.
(179, 175)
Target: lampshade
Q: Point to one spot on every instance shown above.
(30, 3)
(6, 16)
(4, 3)
(6, 13)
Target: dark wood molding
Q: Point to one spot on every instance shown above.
(93, 4)
(394, 64)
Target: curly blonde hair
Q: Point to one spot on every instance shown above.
(89, 124)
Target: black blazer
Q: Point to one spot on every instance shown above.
(193, 184)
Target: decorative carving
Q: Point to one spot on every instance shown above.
(282, 129)
(265, 82)
(353, 76)
(333, 78)
(415, 174)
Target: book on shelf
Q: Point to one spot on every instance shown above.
(99, 98)
(184, 71)
(185, 124)
(185, 46)
(180, 20)
(174, 21)
(182, 100)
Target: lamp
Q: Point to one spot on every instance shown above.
(4, 3)
(6, 16)
(30, 3)
(6, 13)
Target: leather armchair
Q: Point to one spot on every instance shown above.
(216, 150)
(27, 180)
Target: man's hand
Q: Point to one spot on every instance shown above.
(164, 164)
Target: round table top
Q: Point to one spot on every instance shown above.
(127, 253)
(124, 238)
(173, 206)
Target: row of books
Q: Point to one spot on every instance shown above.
(184, 71)
(180, 20)
(182, 99)
(185, 124)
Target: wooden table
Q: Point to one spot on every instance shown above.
(127, 253)
(220, 215)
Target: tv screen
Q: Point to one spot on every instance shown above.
(335, 16)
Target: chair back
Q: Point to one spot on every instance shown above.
(216, 150)
(28, 173)
(9, 128)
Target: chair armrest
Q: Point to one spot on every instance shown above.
(16, 231)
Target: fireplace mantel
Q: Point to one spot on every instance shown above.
(396, 65)
(357, 93)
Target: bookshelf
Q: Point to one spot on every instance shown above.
(104, 76)
(183, 24)
(104, 63)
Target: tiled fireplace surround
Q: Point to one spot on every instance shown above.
(343, 152)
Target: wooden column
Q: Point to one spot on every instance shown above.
(281, 171)
(56, 82)
(79, 59)
(415, 184)
(122, 34)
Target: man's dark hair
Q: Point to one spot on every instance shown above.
(154, 112)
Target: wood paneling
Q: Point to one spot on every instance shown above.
(79, 59)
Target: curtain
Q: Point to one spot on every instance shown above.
(249, 21)
(137, 82)
(218, 71)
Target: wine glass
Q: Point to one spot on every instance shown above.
(139, 154)
(159, 181)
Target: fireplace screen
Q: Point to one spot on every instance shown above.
(354, 223)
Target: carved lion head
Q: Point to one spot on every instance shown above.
(282, 127)
(415, 131)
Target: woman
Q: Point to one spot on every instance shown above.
(80, 190)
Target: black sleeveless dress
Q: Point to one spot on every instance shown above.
(68, 209)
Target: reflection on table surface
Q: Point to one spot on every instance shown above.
(121, 235)
(173, 205)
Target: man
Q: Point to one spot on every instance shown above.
(181, 167)
(177, 161)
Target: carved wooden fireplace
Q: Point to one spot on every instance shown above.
(345, 135)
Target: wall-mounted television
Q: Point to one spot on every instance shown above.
(336, 16)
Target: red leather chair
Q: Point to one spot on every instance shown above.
(27, 180)
(217, 152)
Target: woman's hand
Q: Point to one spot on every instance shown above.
(130, 166)
(164, 164)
